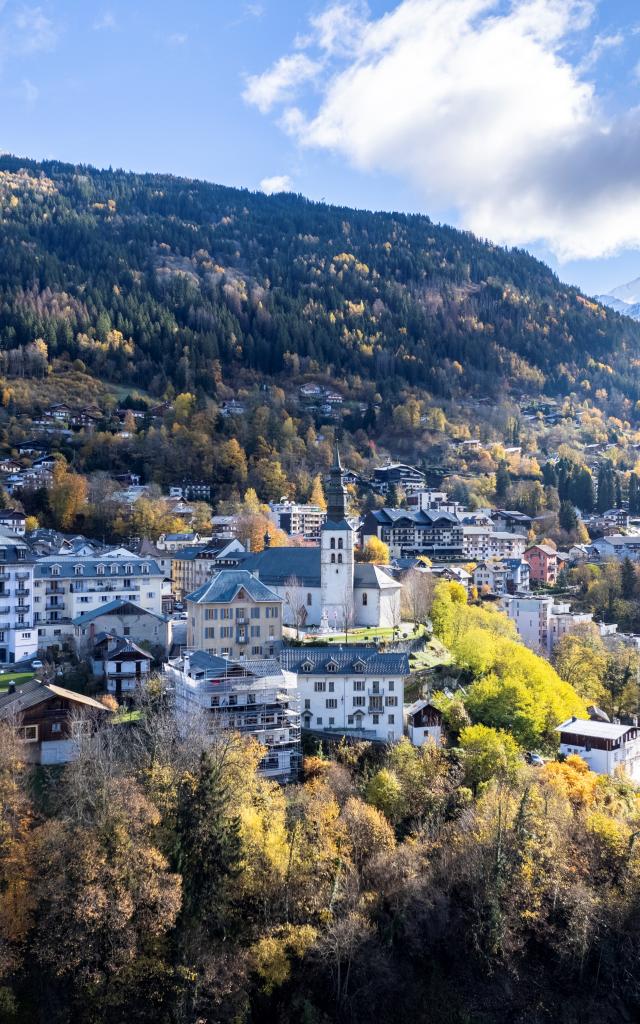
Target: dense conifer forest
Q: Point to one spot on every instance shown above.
(156, 280)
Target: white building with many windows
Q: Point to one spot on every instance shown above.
(607, 747)
(350, 691)
(254, 698)
(541, 621)
(18, 638)
(68, 586)
(234, 615)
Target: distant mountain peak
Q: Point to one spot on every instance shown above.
(624, 299)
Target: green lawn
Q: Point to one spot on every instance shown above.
(370, 635)
(17, 677)
(434, 653)
(126, 717)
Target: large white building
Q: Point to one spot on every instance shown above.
(254, 698)
(541, 621)
(350, 690)
(481, 542)
(298, 520)
(607, 747)
(18, 638)
(68, 586)
(325, 586)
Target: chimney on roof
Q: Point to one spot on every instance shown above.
(12, 687)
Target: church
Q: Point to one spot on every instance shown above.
(324, 586)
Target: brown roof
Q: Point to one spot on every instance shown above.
(36, 692)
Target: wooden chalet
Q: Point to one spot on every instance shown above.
(47, 717)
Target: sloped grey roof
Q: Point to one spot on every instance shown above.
(90, 563)
(35, 692)
(388, 663)
(118, 607)
(224, 587)
(126, 649)
(373, 577)
(277, 565)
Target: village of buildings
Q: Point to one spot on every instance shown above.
(247, 639)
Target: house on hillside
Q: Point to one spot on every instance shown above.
(119, 664)
(424, 723)
(256, 698)
(234, 615)
(124, 619)
(607, 747)
(543, 563)
(350, 691)
(49, 720)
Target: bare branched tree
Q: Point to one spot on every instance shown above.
(295, 600)
(417, 595)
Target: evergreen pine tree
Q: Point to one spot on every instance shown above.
(208, 845)
(606, 487)
(634, 494)
(503, 480)
(628, 579)
(567, 517)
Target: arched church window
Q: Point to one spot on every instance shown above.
(333, 558)
(333, 542)
(340, 545)
(340, 558)
(365, 598)
(309, 600)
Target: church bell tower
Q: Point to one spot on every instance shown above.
(337, 553)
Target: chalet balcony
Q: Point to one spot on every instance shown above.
(52, 605)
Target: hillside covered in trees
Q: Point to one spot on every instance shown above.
(158, 281)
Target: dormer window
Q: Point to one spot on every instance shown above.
(332, 666)
(307, 666)
(78, 569)
(128, 569)
(55, 570)
(100, 570)
(114, 569)
(145, 569)
(358, 666)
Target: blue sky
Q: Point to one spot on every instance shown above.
(519, 120)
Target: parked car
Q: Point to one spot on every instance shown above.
(534, 759)
(37, 664)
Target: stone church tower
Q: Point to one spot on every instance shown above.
(337, 553)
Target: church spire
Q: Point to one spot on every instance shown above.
(335, 490)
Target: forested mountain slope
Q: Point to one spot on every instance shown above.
(151, 279)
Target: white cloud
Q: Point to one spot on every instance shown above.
(280, 81)
(33, 31)
(105, 23)
(29, 92)
(480, 108)
(277, 183)
(601, 44)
